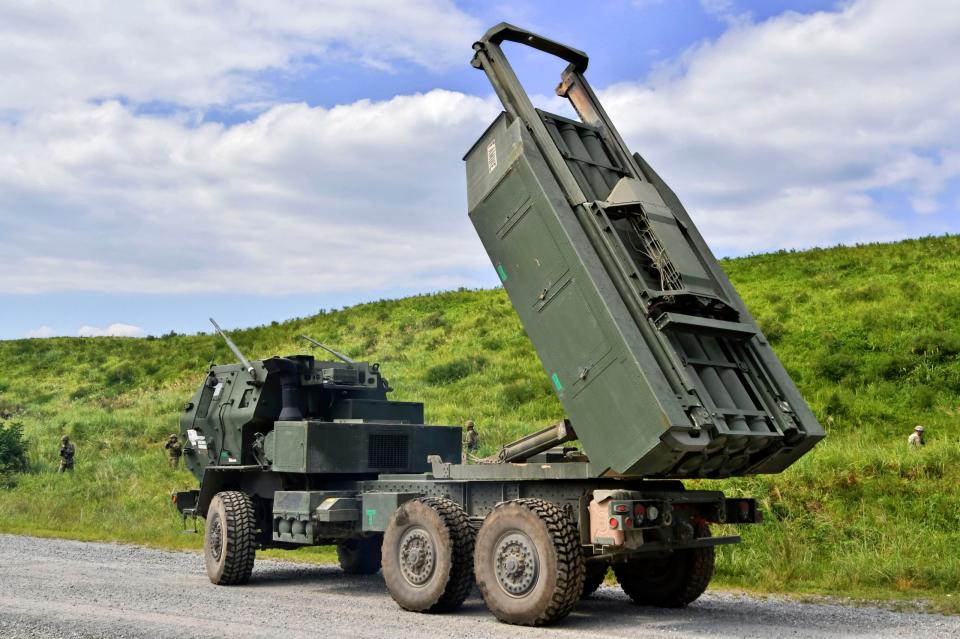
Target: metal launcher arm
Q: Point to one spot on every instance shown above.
(489, 57)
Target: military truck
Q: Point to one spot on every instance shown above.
(660, 369)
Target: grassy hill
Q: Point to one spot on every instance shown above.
(870, 334)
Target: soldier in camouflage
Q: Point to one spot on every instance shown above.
(67, 452)
(174, 451)
(916, 437)
(473, 439)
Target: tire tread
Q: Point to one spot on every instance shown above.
(461, 538)
(570, 567)
(239, 535)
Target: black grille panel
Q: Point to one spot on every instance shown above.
(388, 451)
(345, 376)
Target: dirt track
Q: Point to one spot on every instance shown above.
(55, 588)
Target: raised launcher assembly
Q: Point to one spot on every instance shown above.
(659, 366)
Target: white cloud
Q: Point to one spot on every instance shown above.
(725, 11)
(779, 133)
(114, 330)
(776, 135)
(192, 53)
(366, 196)
(43, 331)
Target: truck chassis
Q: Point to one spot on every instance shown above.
(536, 537)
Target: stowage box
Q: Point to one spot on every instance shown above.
(310, 446)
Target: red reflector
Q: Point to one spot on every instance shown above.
(628, 523)
(639, 510)
(620, 508)
(613, 522)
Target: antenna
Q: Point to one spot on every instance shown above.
(236, 351)
(328, 349)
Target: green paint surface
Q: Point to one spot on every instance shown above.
(502, 273)
(371, 514)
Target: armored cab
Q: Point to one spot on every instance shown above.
(297, 414)
(272, 428)
(657, 362)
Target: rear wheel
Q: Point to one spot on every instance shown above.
(529, 563)
(594, 574)
(360, 556)
(229, 546)
(428, 555)
(669, 582)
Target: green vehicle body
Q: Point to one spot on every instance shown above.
(661, 370)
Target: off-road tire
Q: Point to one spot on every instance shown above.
(593, 576)
(360, 556)
(229, 540)
(671, 582)
(448, 581)
(558, 582)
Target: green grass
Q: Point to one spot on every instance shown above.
(869, 333)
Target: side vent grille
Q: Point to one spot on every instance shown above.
(345, 375)
(387, 451)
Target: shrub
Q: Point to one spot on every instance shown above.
(837, 365)
(120, 377)
(453, 371)
(938, 345)
(773, 329)
(13, 454)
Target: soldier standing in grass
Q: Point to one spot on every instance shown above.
(473, 439)
(174, 451)
(916, 437)
(67, 452)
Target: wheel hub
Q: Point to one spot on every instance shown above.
(417, 556)
(216, 537)
(516, 563)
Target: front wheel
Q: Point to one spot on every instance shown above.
(229, 545)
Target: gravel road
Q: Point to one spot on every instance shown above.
(57, 588)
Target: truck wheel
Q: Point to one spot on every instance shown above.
(529, 563)
(360, 556)
(670, 582)
(593, 576)
(228, 541)
(428, 555)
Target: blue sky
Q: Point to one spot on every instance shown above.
(161, 163)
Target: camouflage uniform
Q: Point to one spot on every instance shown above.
(473, 439)
(174, 450)
(916, 437)
(67, 452)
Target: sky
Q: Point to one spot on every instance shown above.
(162, 162)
